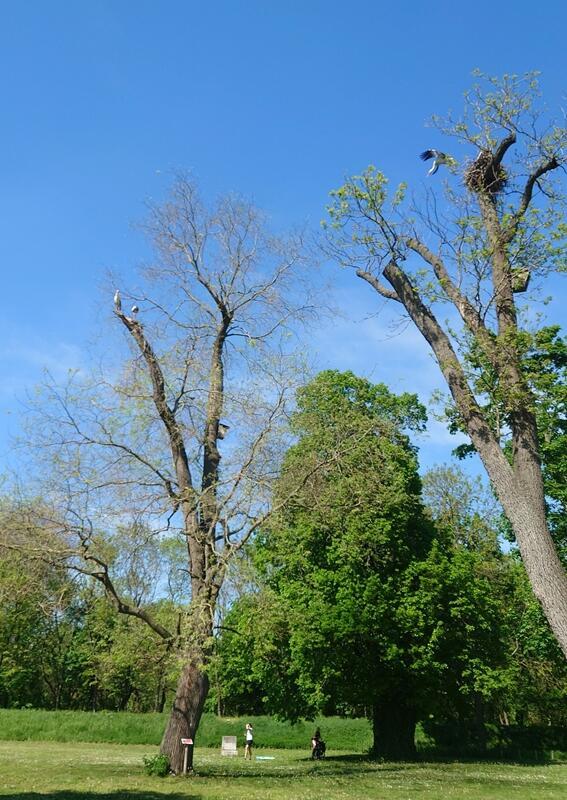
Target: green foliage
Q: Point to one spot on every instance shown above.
(543, 358)
(35, 630)
(537, 670)
(363, 596)
(156, 765)
(62, 645)
(328, 631)
(510, 666)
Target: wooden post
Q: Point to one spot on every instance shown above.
(187, 743)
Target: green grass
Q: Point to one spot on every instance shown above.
(87, 771)
(125, 728)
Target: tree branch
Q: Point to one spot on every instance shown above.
(177, 446)
(121, 606)
(469, 314)
(376, 284)
(512, 227)
(502, 148)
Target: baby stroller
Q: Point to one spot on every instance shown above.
(318, 748)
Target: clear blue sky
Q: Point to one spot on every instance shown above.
(277, 99)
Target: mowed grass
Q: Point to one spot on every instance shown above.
(88, 771)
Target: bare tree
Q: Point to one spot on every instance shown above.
(186, 435)
(469, 255)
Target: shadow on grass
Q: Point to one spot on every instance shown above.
(117, 795)
(532, 760)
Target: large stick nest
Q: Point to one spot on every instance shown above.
(483, 175)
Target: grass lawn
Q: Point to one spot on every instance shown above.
(88, 771)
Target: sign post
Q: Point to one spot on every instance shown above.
(187, 743)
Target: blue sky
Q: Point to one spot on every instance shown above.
(101, 100)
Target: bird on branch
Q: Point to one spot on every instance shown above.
(134, 310)
(438, 157)
(117, 301)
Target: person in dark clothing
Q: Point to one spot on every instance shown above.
(318, 746)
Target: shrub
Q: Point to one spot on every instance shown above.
(156, 765)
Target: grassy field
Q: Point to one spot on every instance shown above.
(88, 771)
(123, 728)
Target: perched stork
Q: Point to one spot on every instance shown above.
(117, 301)
(438, 159)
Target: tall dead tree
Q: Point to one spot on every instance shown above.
(186, 435)
(467, 251)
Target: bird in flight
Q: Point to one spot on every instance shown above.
(438, 159)
(117, 301)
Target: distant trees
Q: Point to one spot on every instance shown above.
(63, 646)
(526, 682)
(469, 257)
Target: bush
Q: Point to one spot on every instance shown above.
(156, 765)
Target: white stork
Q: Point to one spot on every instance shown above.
(438, 159)
(117, 301)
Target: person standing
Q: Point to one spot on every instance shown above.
(249, 736)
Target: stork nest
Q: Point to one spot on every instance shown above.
(483, 175)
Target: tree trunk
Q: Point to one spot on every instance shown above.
(393, 728)
(545, 571)
(159, 704)
(518, 487)
(188, 704)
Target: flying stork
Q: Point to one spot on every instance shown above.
(438, 159)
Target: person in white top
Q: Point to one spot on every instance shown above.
(249, 736)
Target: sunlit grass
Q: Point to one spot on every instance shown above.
(86, 771)
(127, 728)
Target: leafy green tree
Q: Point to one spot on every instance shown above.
(20, 645)
(502, 224)
(330, 629)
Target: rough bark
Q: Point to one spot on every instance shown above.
(190, 696)
(393, 728)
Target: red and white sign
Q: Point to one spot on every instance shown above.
(187, 741)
